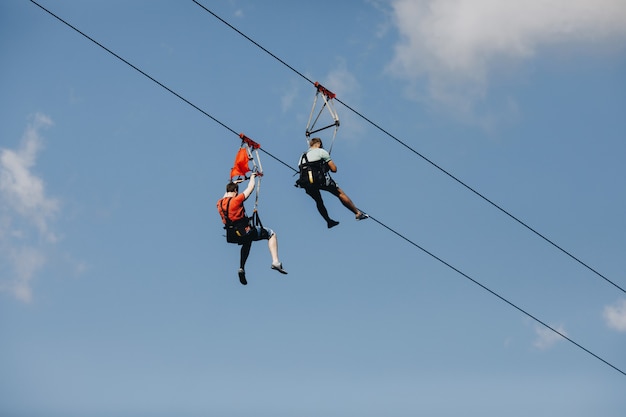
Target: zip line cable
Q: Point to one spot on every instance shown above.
(444, 171)
(153, 79)
(371, 217)
(497, 295)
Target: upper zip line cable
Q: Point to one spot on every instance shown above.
(153, 79)
(444, 171)
(371, 217)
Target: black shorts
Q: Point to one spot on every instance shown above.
(256, 233)
(331, 187)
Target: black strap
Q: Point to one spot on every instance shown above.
(254, 220)
(225, 213)
(320, 163)
(306, 160)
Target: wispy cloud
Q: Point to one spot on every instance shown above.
(289, 96)
(454, 44)
(341, 81)
(547, 338)
(615, 316)
(25, 213)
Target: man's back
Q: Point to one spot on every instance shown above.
(231, 208)
(315, 154)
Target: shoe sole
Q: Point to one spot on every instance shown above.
(282, 271)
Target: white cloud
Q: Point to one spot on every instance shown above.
(20, 189)
(546, 338)
(25, 213)
(455, 44)
(344, 84)
(288, 98)
(26, 261)
(615, 316)
(340, 79)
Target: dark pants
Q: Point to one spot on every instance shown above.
(255, 234)
(316, 195)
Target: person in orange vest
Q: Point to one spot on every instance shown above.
(240, 230)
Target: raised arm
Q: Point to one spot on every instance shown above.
(250, 186)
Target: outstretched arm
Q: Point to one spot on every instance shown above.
(250, 186)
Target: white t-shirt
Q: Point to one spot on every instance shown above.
(315, 154)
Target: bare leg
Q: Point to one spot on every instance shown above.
(347, 203)
(272, 244)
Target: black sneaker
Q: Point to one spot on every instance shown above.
(279, 268)
(242, 276)
(332, 223)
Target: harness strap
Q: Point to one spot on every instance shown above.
(229, 222)
(327, 97)
(322, 165)
(255, 220)
(225, 212)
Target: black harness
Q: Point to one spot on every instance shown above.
(242, 230)
(311, 173)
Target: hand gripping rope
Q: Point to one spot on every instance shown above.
(248, 152)
(326, 103)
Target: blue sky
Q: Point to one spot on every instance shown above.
(119, 295)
